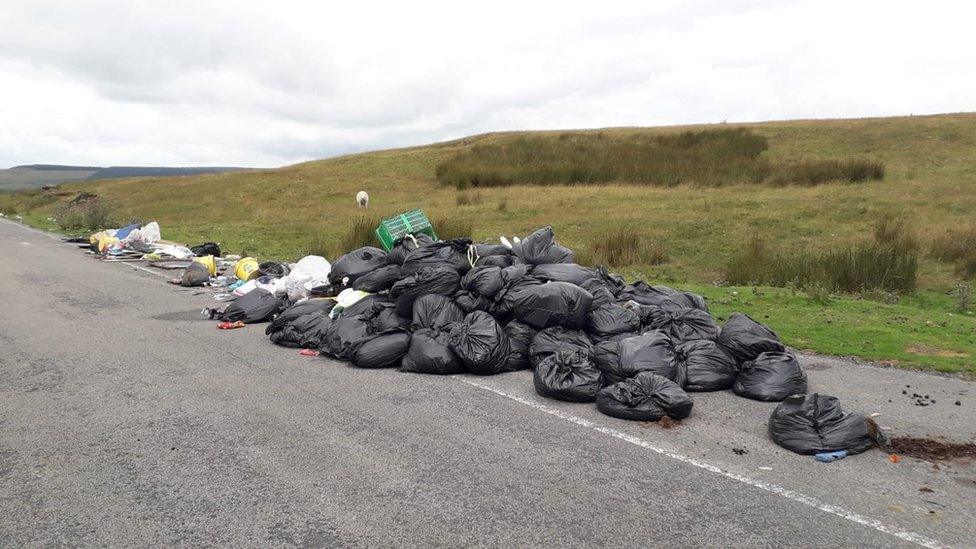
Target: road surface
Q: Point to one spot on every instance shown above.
(127, 420)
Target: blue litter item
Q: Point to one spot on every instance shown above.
(123, 232)
(827, 457)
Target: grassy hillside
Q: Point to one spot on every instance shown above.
(930, 181)
(39, 175)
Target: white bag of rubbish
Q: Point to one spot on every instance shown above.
(150, 233)
(310, 271)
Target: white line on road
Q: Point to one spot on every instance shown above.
(772, 488)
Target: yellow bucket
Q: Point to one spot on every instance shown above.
(208, 262)
(246, 268)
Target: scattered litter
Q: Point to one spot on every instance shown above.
(827, 457)
(926, 489)
(763, 468)
(309, 352)
(230, 325)
(740, 451)
(894, 458)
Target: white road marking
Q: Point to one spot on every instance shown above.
(791, 495)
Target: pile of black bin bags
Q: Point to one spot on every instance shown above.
(452, 307)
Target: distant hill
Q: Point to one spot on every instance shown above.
(40, 175)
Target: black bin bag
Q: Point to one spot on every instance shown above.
(371, 317)
(649, 352)
(484, 281)
(481, 344)
(435, 311)
(405, 245)
(567, 375)
(553, 304)
(356, 263)
(745, 339)
(438, 279)
(383, 350)
(705, 366)
(196, 274)
(450, 253)
(520, 337)
(610, 320)
(815, 423)
(563, 272)
(469, 301)
(253, 307)
(558, 338)
(606, 357)
(378, 280)
(772, 377)
(302, 325)
(645, 397)
(540, 248)
(661, 296)
(430, 353)
(682, 324)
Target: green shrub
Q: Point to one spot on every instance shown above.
(816, 172)
(855, 268)
(361, 232)
(708, 157)
(466, 198)
(452, 227)
(91, 214)
(622, 247)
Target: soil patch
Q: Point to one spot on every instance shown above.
(930, 449)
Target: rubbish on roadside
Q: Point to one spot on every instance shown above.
(611, 319)
(520, 336)
(649, 352)
(548, 342)
(394, 229)
(207, 248)
(438, 280)
(745, 339)
(356, 263)
(430, 353)
(246, 269)
(435, 311)
(254, 307)
(645, 397)
(378, 280)
(563, 272)
(451, 253)
(481, 343)
(273, 269)
(706, 366)
(208, 262)
(404, 245)
(815, 424)
(227, 325)
(894, 458)
(827, 457)
(196, 274)
(540, 248)
(309, 352)
(567, 375)
(553, 304)
(302, 325)
(310, 271)
(771, 377)
(681, 324)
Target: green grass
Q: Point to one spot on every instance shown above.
(929, 179)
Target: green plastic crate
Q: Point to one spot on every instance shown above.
(399, 226)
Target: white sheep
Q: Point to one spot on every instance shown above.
(362, 199)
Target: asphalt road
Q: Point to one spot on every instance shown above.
(127, 420)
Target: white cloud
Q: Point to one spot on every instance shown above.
(263, 84)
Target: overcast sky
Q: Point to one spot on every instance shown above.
(262, 83)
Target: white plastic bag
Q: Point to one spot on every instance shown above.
(150, 233)
(310, 271)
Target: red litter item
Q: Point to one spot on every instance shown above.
(309, 352)
(230, 325)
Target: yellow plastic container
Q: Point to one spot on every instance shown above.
(105, 241)
(208, 262)
(246, 268)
